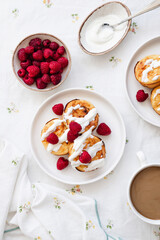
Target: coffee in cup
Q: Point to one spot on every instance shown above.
(145, 192)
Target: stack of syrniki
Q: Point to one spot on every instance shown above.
(86, 151)
(147, 73)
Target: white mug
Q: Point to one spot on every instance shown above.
(144, 165)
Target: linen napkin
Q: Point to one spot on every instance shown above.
(39, 211)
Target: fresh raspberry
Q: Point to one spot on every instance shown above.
(56, 78)
(46, 78)
(54, 66)
(22, 56)
(47, 53)
(40, 84)
(36, 63)
(63, 61)
(46, 43)
(51, 72)
(43, 48)
(52, 138)
(49, 59)
(61, 71)
(61, 50)
(53, 45)
(44, 67)
(30, 57)
(33, 71)
(56, 56)
(25, 64)
(62, 163)
(36, 43)
(28, 80)
(29, 49)
(71, 137)
(75, 127)
(38, 56)
(58, 109)
(21, 72)
(85, 157)
(141, 96)
(103, 129)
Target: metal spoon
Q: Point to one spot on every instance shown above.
(151, 6)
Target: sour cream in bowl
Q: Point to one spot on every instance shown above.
(97, 40)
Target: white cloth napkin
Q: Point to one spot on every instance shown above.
(41, 211)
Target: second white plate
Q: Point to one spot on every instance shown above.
(115, 142)
(144, 109)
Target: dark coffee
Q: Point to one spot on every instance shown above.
(145, 192)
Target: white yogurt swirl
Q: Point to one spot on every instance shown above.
(99, 38)
(62, 138)
(78, 147)
(156, 93)
(52, 128)
(83, 121)
(56, 147)
(79, 144)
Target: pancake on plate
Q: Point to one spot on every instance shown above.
(60, 128)
(155, 99)
(147, 71)
(82, 112)
(92, 145)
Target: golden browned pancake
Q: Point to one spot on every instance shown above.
(96, 148)
(147, 71)
(79, 110)
(155, 99)
(60, 129)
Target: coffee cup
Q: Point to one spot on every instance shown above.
(136, 183)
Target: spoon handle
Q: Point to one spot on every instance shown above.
(151, 6)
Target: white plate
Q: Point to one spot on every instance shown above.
(144, 109)
(114, 143)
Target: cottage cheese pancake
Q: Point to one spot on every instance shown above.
(155, 99)
(93, 145)
(147, 71)
(82, 112)
(60, 128)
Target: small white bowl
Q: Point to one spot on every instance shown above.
(103, 10)
(24, 43)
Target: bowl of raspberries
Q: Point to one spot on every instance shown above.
(41, 62)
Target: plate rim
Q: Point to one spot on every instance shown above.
(98, 177)
(126, 89)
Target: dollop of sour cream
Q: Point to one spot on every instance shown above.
(99, 38)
